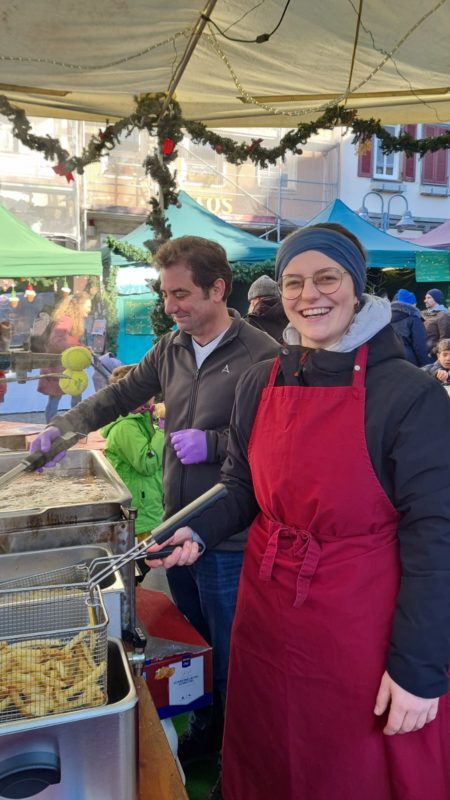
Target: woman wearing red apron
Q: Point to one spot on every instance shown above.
(338, 672)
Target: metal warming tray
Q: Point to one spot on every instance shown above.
(78, 463)
(89, 754)
(17, 566)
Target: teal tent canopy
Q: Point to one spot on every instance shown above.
(24, 253)
(383, 250)
(191, 219)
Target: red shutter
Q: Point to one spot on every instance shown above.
(409, 162)
(365, 164)
(435, 165)
(441, 171)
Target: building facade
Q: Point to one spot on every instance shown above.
(112, 196)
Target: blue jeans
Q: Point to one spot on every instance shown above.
(206, 594)
(51, 408)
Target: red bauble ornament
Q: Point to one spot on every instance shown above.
(219, 149)
(167, 147)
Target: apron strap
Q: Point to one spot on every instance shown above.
(310, 548)
(273, 373)
(268, 559)
(359, 368)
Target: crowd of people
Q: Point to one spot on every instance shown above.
(324, 586)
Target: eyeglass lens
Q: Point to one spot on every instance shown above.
(326, 281)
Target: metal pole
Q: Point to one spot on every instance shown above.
(191, 45)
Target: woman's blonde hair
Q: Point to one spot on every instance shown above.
(73, 306)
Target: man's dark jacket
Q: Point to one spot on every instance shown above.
(194, 398)
(269, 316)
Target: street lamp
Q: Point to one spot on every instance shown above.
(406, 221)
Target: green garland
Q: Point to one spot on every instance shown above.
(161, 323)
(129, 251)
(109, 298)
(244, 272)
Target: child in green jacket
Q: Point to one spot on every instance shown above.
(134, 446)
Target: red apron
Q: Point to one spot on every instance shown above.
(313, 619)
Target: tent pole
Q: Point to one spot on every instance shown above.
(191, 45)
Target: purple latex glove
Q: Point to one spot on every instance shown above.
(190, 445)
(43, 442)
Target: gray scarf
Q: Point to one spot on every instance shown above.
(374, 314)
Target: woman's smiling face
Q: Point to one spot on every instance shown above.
(321, 319)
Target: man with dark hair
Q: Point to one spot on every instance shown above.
(196, 369)
(436, 319)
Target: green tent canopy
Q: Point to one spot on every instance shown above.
(24, 253)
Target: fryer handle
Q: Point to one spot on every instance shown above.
(165, 529)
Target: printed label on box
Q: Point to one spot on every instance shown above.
(186, 681)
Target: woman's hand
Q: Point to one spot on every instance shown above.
(183, 556)
(407, 711)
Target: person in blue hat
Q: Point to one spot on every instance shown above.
(408, 325)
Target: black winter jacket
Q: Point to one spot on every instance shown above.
(194, 398)
(408, 325)
(269, 316)
(408, 438)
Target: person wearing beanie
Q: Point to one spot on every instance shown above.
(339, 460)
(436, 319)
(404, 296)
(433, 298)
(266, 309)
(408, 325)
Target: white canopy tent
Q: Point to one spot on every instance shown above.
(78, 59)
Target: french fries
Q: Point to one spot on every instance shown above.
(49, 676)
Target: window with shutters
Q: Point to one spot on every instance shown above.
(435, 165)
(386, 165)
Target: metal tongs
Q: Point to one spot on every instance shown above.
(83, 573)
(38, 459)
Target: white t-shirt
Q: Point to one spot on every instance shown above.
(202, 352)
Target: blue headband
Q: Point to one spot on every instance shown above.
(332, 244)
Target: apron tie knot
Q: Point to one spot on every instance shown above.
(305, 548)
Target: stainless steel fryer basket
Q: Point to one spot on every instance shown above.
(53, 651)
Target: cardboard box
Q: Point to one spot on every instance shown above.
(178, 661)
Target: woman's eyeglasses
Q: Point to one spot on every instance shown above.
(327, 281)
